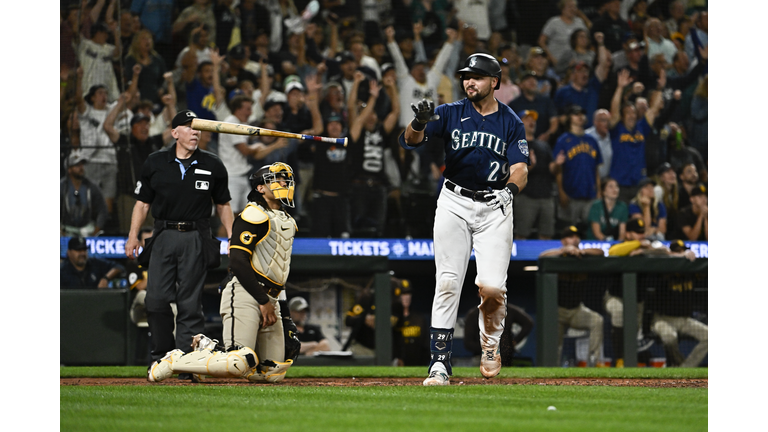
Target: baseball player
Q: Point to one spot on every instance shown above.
(253, 296)
(486, 165)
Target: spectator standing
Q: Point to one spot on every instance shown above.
(556, 34)
(369, 138)
(680, 154)
(601, 133)
(96, 57)
(698, 36)
(79, 271)
(655, 41)
(476, 14)
(82, 208)
(142, 52)
(608, 216)
(199, 12)
(181, 185)
(577, 157)
(156, 16)
(508, 90)
(628, 134)
(530, 99)
(417, 83)
(611, 25)
(699, 119)
(535, 205)
(94, 141)
(579, 50)
(330, 184)
(226, 22)
(411, 339)
(234, 151)
(199, 84)
(133, 149)
(547, 80)
(584, 87)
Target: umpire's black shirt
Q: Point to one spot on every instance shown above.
(182, 191)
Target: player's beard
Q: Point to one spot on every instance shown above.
(479, 95)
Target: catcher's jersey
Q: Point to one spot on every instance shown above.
(478, 149)
(267, 235)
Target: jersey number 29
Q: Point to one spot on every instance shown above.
(495, 166)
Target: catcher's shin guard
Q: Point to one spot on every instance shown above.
(163, 368)
(440, 347)
(231, 364)
(270, 371)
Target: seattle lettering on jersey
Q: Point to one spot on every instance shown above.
(478, 139)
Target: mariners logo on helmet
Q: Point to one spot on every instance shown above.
(279, 178)
(482, 64)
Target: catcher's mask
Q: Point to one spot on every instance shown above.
(279, 178)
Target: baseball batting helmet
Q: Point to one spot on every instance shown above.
(272, 175)
(482, 64)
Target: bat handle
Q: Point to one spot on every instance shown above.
(326, 139)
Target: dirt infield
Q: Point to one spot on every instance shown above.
(366, 382)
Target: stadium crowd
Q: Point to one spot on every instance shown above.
(613, 95)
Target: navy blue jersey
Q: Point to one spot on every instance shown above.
(478, 149)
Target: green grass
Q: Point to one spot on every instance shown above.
(399, 372)
(405, 408)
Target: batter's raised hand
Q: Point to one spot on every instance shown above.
(425, 111)
(499, 199)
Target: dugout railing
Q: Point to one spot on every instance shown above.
(626, 277)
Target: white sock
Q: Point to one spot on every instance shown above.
(438, 367)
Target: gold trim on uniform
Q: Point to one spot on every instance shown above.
(246, 237)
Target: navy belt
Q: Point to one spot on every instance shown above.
(473, 195)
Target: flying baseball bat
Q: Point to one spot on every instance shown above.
(241, 129)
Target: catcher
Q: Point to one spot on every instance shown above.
(259, 343)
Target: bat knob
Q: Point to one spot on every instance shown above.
(346, 140)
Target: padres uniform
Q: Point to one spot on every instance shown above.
(479, 151)
(260, 261)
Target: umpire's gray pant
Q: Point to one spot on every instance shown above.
(176, 274)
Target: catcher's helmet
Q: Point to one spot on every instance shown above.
(272, 175)
(482, 64)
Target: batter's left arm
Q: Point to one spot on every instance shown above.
(518, 175)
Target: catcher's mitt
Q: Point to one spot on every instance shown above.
(292, 343)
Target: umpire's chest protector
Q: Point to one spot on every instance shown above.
(272, 256)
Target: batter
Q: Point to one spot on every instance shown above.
(486, 165)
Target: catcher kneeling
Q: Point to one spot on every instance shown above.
(259, 343)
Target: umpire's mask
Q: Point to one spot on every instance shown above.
(280, 180)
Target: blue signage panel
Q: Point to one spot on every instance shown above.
(394, 249)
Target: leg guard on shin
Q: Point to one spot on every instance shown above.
(440, 347)
(231, 364)
(163, 368)
(270, 371)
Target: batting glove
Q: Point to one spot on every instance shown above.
(425, 113)
(499, 199)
